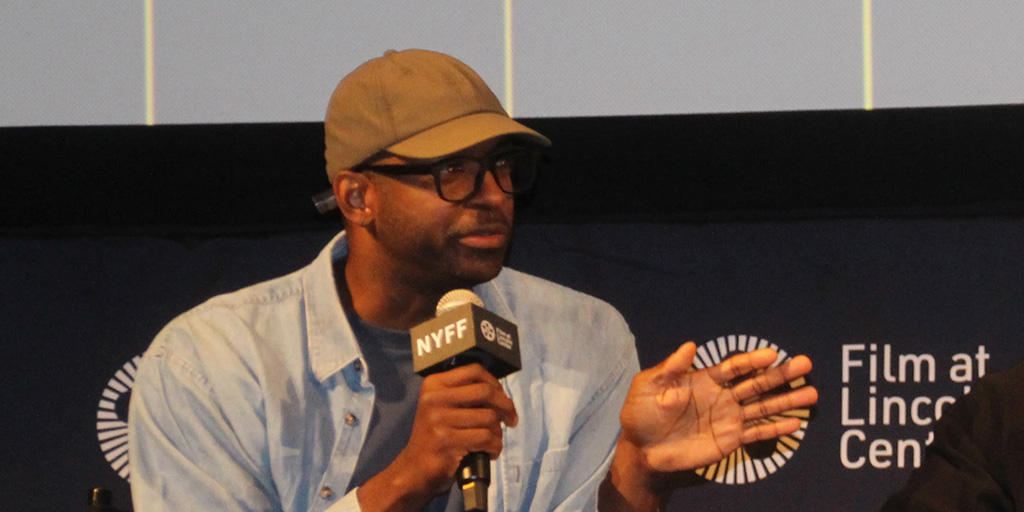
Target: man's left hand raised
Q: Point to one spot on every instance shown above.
(680, 418)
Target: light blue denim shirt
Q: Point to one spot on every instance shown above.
(259, 400)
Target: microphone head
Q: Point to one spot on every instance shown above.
(456, 298)
(464, 332)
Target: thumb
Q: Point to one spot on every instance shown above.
(680, 361)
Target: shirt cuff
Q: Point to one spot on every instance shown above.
(348, 503)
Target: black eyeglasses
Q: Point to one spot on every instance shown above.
(459, 178)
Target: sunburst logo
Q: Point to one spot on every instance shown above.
(755, 461)
(112, 418)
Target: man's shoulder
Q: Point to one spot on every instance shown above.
(286, 290)
(264, 293)
(234, 315)
(518, 284)
(541, 303)
(557, 324)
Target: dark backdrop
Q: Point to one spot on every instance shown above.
(825, 233)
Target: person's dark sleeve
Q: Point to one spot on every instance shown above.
(975, 460)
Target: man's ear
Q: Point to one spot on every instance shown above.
(353, 191)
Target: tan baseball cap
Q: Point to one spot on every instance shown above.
(416, 104)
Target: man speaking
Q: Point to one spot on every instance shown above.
(299, 394)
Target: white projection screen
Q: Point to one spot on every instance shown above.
(174, 62)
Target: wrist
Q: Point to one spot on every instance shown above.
(393, 490)
(632, 484)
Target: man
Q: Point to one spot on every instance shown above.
(298, 393)
(976, 461)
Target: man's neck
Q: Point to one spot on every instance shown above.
(383, 298)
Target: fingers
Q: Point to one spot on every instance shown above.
(679, 362)
(682, 358)
(467, 419)
(462, 375)
(742, 364)
(460, 411)
(477, 396)
(460, 441)
(805, 396)
(772, 377)
(469, 387)
(771, 430)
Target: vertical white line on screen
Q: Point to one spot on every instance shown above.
(869, 88)
(150, 87)
(508, 58)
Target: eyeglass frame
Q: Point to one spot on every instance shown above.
(486, 164)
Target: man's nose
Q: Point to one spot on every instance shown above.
(489, 191)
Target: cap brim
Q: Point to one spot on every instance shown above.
(460, 133)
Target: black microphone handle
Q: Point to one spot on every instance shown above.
(474, 474)
(474, 477)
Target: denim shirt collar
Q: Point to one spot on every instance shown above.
(332, 346)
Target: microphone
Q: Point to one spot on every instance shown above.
(461, 333)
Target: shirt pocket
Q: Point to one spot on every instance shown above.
(531, 485)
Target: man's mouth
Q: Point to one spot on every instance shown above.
(486, 238)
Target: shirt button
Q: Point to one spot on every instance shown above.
(326, 492)
(358, 365)
(351, 419)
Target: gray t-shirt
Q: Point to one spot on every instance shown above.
(388, 356)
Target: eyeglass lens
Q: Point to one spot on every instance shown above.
(514, 171)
